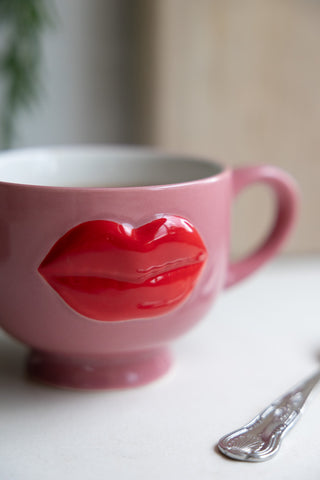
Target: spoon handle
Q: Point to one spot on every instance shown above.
(260, 439)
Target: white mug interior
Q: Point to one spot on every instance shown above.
(101, 167)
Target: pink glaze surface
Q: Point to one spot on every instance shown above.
(34, 218)
(99, 372)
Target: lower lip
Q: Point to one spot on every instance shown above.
(73, 268)
(111, 300)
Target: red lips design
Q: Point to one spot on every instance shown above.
(111, 271)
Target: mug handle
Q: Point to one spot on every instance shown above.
(286, 195)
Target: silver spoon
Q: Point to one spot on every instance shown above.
(260, 439)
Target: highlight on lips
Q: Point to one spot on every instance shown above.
(112, 271)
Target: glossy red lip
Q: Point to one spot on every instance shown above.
(111, 271)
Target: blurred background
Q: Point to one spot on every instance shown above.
(237, 81)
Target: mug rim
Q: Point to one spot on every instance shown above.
(129, 149)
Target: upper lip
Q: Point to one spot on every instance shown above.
(100, 258)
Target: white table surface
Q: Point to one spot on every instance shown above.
(260, 338)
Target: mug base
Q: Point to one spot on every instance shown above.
(116, 371)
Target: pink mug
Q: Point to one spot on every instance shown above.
(109, 253)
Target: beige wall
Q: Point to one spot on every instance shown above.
(239, 81)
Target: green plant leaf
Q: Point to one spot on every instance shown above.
(24, 22)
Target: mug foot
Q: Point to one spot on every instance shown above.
(99, 372)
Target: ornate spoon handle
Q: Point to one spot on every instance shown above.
(260, 439)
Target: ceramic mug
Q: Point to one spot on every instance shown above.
(109, 253)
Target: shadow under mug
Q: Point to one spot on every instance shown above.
(107, 254)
